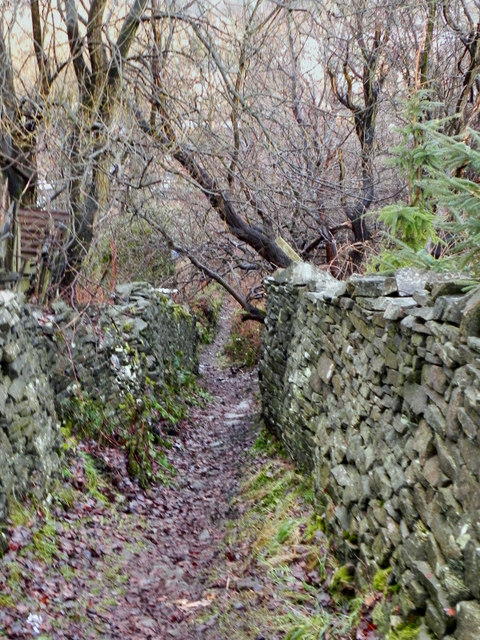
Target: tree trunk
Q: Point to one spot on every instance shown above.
(99, 84)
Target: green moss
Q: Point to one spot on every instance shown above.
(351, 537)
(386, 614)
(82, 414)
(180, 312)
(45, 541)
(315, 524)
(20, 515)
(342, 578)
(381, 616)
(380, 579)
(404, 632)
(69, 442)
(6, 600)
(128, 326)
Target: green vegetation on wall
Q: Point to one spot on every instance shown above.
(133, 376)
(141, 419)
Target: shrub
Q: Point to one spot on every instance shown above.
(206, 306)
(243, 345)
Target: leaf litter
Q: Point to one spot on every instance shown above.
(190, 559)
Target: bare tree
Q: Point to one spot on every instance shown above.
(245, 133)
(98, 63)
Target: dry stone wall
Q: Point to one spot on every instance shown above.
(104, 351)
(374, 386)
(108, 350)
(29, 436)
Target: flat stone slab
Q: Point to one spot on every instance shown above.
(371, 286)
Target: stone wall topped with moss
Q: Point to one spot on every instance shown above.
(374, 385)
(103, 364)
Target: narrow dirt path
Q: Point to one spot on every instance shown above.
(166, 583)
(134, 568)
(231, 549)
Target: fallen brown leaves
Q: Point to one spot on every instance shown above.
(107, 559)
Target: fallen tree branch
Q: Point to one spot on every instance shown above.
(251, 311)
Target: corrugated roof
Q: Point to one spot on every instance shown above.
(36, 225)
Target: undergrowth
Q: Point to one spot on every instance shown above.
(243, 346)
(206, 307)
(295, 587)
(139, 420)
